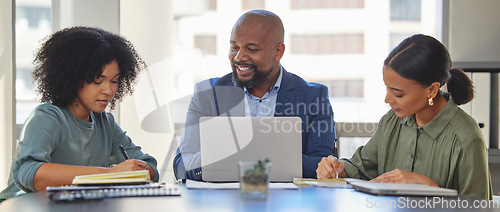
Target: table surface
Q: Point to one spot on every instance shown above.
(302, 199)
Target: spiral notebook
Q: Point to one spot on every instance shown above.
(72, 193)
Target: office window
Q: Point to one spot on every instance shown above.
(344, 88)
(321, 4)
(328, 40)
(206, 43)
(396, 38)
(405, 10)
(253, 4)
(33, 17)
(33, 23)
(327, 44)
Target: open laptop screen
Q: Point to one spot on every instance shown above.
(226, 140)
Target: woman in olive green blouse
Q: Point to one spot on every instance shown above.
(425, 138)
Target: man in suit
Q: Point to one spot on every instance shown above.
(259, 86)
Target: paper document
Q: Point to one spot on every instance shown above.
(191, 184)
(333, 182)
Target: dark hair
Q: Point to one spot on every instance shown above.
(73, 56)
(426, 60)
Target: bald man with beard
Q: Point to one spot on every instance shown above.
(259, 87)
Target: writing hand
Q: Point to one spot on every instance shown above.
(129, 165)
(330, 167)
(401, 176)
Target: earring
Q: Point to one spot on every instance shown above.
(431, 101)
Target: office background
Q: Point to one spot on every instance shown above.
(340, 43)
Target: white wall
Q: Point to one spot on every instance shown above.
(6, 90)
(149, 26)
(92, 13)
(472, 33)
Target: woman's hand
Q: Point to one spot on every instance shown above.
(401, 176)
(129, 165)
(132, 165)
(330, 167)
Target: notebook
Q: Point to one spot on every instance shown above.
(399, 189)
(71, 193)
(226, 140)
(129, 177)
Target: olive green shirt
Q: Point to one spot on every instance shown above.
(450, 149)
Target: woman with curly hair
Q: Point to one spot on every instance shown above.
(79, 71)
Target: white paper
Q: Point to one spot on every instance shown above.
(191, 184)
(331, 184)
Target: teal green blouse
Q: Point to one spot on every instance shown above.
(51, 135)
(450, 149)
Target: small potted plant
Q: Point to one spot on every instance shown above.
(254, 178)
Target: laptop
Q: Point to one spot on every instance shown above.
(400, 189)
(224, 141)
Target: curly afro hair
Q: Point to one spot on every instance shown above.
(73, 56)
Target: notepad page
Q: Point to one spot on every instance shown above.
(114, 175)
(141, 176)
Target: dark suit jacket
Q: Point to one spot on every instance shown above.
(296, 97)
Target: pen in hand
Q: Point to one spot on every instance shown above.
(124, 153)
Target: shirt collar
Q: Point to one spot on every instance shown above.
(437, 125)
(276, 85)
